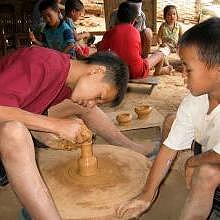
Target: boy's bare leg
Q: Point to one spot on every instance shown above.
(18, 156)
(199, 201)
(156, 60)
(98, 121)
(146, 41)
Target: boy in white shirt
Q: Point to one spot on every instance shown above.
(197, 121)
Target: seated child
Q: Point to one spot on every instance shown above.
(37, 21)
(196, 126)
(124, 40)
(170, 31)
(141, 24)
(74, 9)
(56, 34)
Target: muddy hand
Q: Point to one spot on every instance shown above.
(132, 208)
(73, 130)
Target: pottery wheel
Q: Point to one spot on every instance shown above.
(121, 176)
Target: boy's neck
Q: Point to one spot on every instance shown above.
(213, 103)
(76, 71)
(56, 25)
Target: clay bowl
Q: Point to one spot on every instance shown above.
(142, 111)
(124, 118)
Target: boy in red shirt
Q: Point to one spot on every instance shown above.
(124, 39)
(32, 80)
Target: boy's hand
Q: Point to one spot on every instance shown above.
(32, 36)
(136, 207)
(73, 130)
(86, 34)
(132, 208)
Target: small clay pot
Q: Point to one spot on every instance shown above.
(142, 111)
(124, 118)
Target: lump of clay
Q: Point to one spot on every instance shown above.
(124, 118)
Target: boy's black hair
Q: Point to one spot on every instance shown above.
(134, 1)
(117, 73)
(45, 4)
(167, 9)
(206, 39)
(73, 5)
(127, 12)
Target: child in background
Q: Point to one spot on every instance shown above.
(74, 9)
(56, 34)
(124, 40)
(141, 24)
(37, 21)
(170, 31)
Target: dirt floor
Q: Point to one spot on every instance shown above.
(166, 98)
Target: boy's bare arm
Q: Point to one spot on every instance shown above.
(80, 36)
(158, 172)
(65, 128)
(34, 39)
(159, 35)
(68, 47)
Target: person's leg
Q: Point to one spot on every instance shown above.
(156, 60)
(18, 157)
(199, 201)
(98, 122)
(146, 41)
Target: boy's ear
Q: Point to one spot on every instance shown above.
(218, 72)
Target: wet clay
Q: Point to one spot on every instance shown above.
(124, 118)
(120, 176)
(87, 162)
(59, 143)
(142, 111)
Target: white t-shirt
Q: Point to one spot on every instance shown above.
(193, 123)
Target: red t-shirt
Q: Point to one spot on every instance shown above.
(125, 41)
(34, 79)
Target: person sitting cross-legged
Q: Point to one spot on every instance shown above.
(124, 40)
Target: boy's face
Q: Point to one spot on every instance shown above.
(92, 89)
(198, 77)
(51, 17)
(75, 15)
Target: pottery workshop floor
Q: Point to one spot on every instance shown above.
(165, 98)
